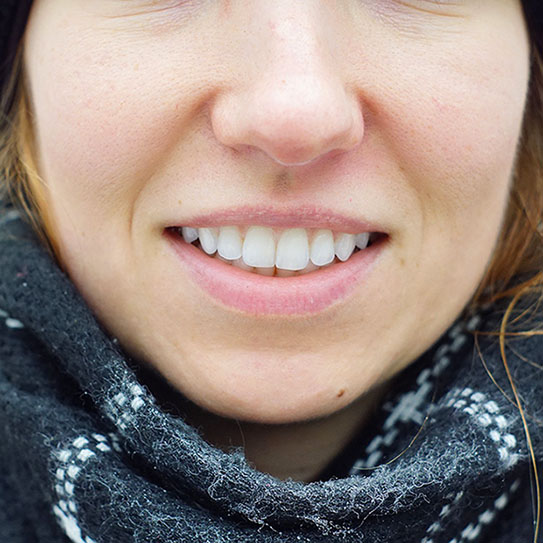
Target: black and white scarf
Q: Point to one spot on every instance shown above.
(89, 455)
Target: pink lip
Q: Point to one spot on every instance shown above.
(262, 295)
(300, 217)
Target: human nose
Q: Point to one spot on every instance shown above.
(292, 100)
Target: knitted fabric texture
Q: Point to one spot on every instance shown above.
(90, 456)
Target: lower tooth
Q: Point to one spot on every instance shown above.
(217, 255)
(336, 260)
(236, 263)
(309, 268)
(265, 271)
(270, 272)
(240, 264)
(284, 273)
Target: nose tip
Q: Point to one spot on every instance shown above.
(294, 121)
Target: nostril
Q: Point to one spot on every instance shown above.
(287, 150)
(293, 124)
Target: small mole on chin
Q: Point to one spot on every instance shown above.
(340, 393)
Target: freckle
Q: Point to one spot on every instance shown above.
(179, 202)
(402, 262)
(340, 393)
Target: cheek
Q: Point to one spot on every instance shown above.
(99, 134)
(455, 135)
(106, 121)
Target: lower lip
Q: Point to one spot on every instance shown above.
(263, 295)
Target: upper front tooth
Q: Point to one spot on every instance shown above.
(292, 250)
(322, 248)
(189, 234)
(259, 247)
(362, 240)
(229, 244)
(208, 239)
(344, 246)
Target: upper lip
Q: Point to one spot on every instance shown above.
(305, 216)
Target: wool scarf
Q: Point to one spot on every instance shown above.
(90, 455)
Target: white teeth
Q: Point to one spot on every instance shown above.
(240, 264)
(208, 239)
(322, 248)
(265, 271)
(362, 240)
(309, 268)
(257, 251)
(292, 250)
(344, 246)
(284, 273)
(219, 257)
(189, 234)
(259, 247)
(229, 244)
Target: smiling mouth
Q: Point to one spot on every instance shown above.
(273, 252)
(260, 290)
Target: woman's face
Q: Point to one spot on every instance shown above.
(386, 116)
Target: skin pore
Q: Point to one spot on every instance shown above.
(406, 114)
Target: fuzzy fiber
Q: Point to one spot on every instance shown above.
(89, 455)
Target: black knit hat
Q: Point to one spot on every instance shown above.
(14, 14)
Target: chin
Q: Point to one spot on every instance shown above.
(265, 406)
